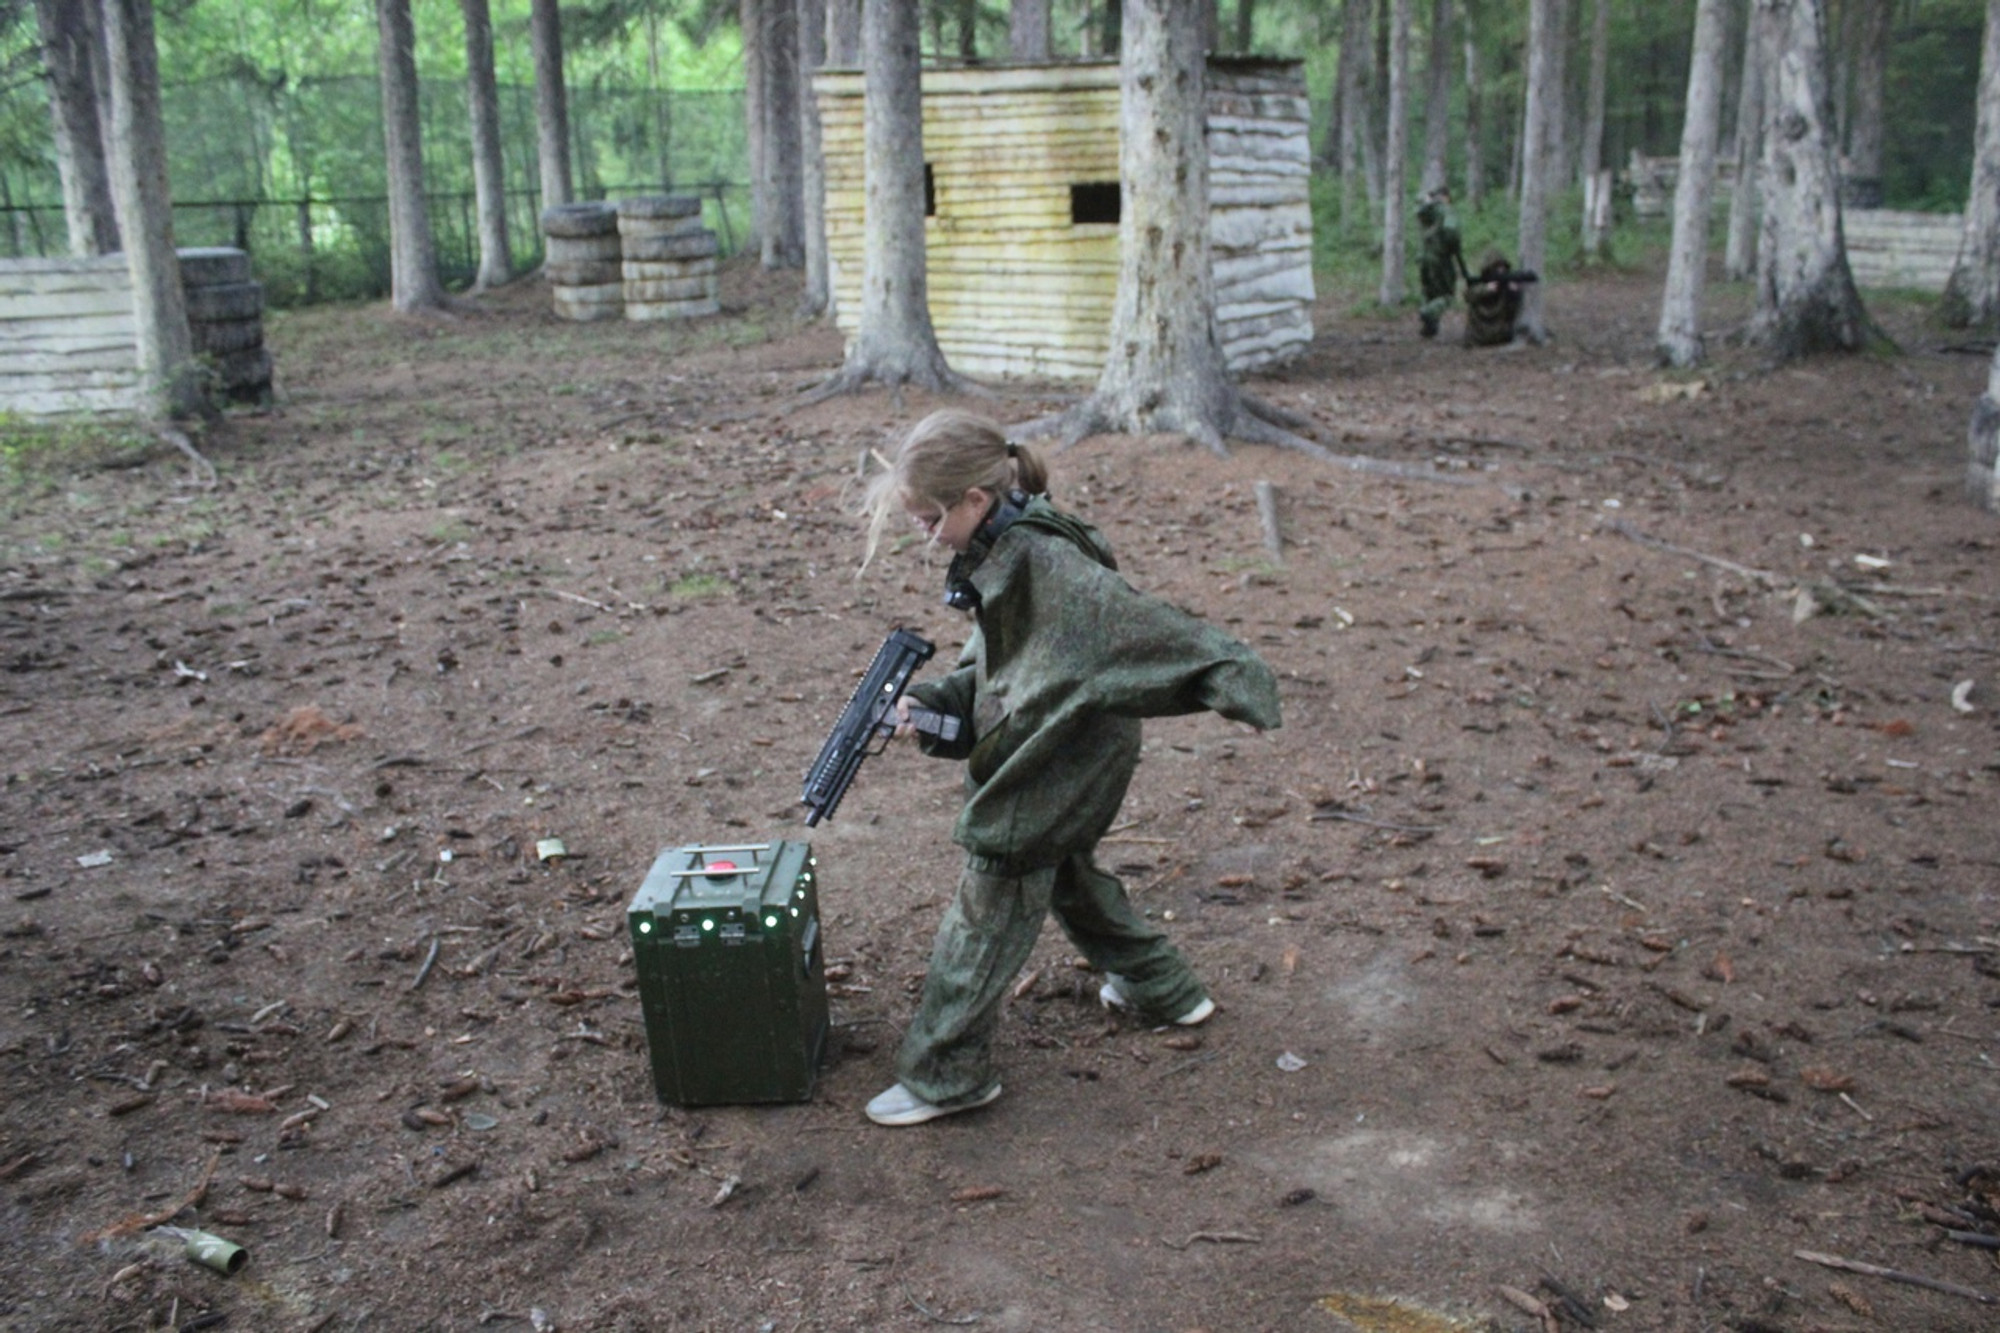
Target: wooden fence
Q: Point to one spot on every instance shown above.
(67, 343)
(1886, 248)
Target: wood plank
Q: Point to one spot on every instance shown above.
(63, 305)
(62, 335)
(57, 282)
(122, 359)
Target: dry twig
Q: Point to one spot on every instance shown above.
(1758, 576)
(1894, 1275)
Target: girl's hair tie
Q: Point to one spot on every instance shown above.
(1013, 449)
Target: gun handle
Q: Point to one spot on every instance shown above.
(944, 726)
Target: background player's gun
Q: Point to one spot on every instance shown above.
(1520, 275)
(871, 713)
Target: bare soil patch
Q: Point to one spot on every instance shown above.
(1616, 908)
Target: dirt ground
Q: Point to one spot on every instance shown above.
(1613, 920)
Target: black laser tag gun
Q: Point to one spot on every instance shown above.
(1498, 276)
(871, 715)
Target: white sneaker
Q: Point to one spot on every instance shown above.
(1112, 996)
(900, 1106)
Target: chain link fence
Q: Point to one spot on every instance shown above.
(294, 173)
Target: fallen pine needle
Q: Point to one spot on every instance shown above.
(145, 1221)
(1218, 1238)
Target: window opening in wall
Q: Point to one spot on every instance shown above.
(1093, 202)
(930, 192)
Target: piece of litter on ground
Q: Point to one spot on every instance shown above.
(1961, 697)
(551, 849)
(1871, 562)
(92, 860)
(1290, 1063)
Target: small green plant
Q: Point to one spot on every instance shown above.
(695, 587)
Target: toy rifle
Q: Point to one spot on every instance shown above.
(1520, 275)
(871, 713)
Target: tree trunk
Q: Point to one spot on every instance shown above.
(70, 43)
(1687, 255)
(750, 24)
(1437, 102)
(1543, 70)
(1972, 295)
(663, 122)
(1596, 180)
(1806, 300)
(551, 101)
(968, 29)
(168, 374)
(1165, 372)
(781, 158)
(1740, 258)
(1378, 105)
(1395, 286)
(894, 341)
(413, 280)
(817, 297)
(843, 34)
(1353, 95)
(1111, 27)
(1982, 469)
(1475, 120)
(1028, 30)
(1862, 181)
(489, 172)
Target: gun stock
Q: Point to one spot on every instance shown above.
(870, 714)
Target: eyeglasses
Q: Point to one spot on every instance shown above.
(930, 523)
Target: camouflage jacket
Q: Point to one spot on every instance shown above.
(1064, 660)
(1490, 311)
(1437, 270)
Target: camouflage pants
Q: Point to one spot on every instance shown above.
(986, 937)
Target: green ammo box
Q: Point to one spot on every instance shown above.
(731, 976)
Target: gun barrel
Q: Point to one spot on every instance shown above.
(865, 716)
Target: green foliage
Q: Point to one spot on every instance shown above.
(1933, 89)
(38, 458)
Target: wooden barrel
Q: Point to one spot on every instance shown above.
(669, 258)
(582, 260)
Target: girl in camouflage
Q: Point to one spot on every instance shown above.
(1063, 661)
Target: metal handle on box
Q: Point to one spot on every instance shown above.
(713, 872)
